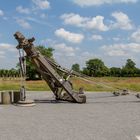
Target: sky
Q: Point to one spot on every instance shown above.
(78, 30)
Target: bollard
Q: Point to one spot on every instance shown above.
(16, 96)
(6, 97)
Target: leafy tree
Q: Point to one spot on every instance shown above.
(114, 71)
(85, 71)
(137, 72)
(76, 67)
(45, 51)
(129, 69)
(96, 67)
(9, 73)
(130, 64)
(2, 73)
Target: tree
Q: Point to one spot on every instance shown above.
(76, 67)
(130, 64)
(2, 73)
(137, 72)
(114, 71)
(85, 71)
(45, 51)
(32, 73)
(129, 69)
(96, 67)
(9, 73)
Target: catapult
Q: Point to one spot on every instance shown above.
(62, 88)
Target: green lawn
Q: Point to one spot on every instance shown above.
(97, 84)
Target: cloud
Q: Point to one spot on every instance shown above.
(22, 10)
(1, 13)
(136, 36)
(7, 50)
(86, 22)
(63, 49)
(121, 49)
(71, 37)
(23, 23)
(122, 21)
(97, 23)
(74, 19)
(85, 3)
(96, 37)
(73, 58)
(42, 4)
(68, 55)
(6, 46)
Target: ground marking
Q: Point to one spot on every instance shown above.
(138, 137)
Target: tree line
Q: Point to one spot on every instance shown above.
(94, 68)
(9, 73)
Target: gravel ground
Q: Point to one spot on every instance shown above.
(103, 117)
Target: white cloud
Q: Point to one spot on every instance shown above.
(121, 49)
(6, 46)
(42, 4)
(136, 36)
(63, 49)
(122, 21)
(68, 55)
(7, 50)
(117, 52)
(96, 37)
(86, 55)
(1, 13)
(23, 23)
(22, 10)
(74, 19)
(84, 3)
(97, 23)
(71, 37)
(86, 22)
(81, 59)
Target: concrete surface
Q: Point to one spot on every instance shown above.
(103, 117)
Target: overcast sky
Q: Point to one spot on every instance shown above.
(78, 30)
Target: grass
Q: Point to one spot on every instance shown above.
(108, 84)
(97, 84)
(30, 85)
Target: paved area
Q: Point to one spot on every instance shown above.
(103, 117)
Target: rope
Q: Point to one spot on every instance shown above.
(111, 87)
(97, 83)
(84, 77)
